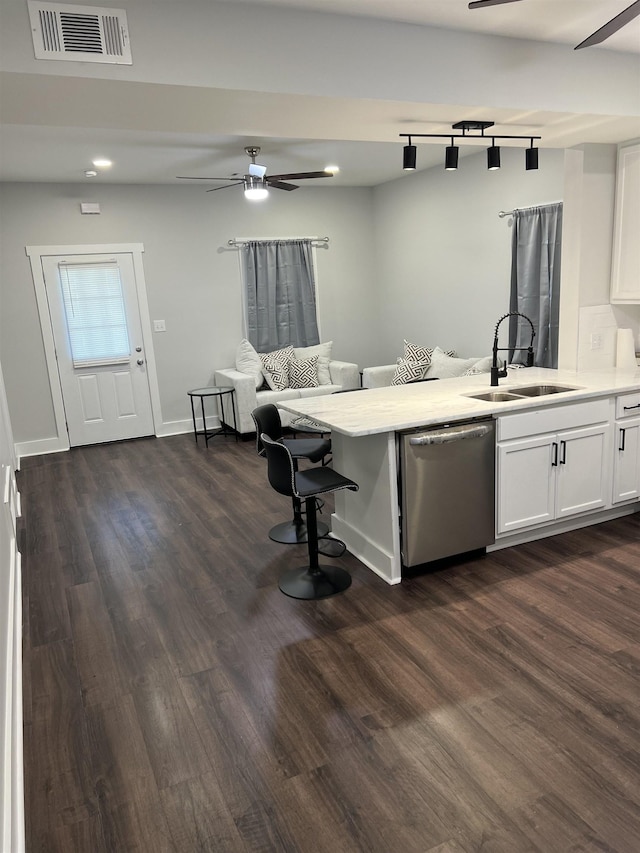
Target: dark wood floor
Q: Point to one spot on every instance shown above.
(175, 700)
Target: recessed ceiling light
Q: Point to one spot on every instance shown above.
(333, 169)
(102, 163)
(90, 173)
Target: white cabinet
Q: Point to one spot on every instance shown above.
(548, 475)
(626, 460)
(625, 267)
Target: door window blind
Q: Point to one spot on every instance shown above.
(95, 313)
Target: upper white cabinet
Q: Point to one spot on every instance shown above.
(625, 268)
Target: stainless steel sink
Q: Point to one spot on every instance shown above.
(521, 393)
(541, 390)
(495, 396)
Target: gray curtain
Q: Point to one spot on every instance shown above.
(535, 282)
(280, 294)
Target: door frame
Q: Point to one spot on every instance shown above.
(35, 255)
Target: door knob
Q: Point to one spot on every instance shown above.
(140, 361)
(138, 349)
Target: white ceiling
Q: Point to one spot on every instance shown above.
(560, 21)
(52, 134)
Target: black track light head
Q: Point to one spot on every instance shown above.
(531, 158)
(451, 157)
(493, 157)
(409, 157)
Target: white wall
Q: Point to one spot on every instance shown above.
(192, 276)
(444, 255)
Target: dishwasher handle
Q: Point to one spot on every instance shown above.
(449, 436)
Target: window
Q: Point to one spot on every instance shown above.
(95, 313)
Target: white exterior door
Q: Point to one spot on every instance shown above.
(95, 317)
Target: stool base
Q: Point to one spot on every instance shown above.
(289, 533)
(303, 583)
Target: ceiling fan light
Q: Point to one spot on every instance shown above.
(451, 158)
(255, 189)
(493, 157)
(409, 158)
(531, 158)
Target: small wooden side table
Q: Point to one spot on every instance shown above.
(220, 391)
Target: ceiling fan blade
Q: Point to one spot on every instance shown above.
(280, 185)
(611, 26)
(256, 170)
(191, 178)
(479, 4)
(299, 176)
(226, 187)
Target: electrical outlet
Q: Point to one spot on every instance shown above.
(159, 326)
(596, 340)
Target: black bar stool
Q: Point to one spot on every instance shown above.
(312, 581)
(267, 421)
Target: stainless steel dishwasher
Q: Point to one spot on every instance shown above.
(447, 490)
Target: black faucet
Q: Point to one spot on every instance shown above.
(495, 371)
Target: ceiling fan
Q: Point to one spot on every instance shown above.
(599, 36)
(256, 182)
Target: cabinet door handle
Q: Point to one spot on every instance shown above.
(554, 461)
(563, 450)
(621, 445)
(627, 408)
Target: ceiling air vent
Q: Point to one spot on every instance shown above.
(79, 33)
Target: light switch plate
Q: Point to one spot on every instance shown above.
(159, 326)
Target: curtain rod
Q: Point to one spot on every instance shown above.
(503, 213)
(237, 243)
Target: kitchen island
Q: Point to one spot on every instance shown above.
(364, 429)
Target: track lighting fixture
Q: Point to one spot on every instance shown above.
(409, 157)
(493, 156)
(409, 153)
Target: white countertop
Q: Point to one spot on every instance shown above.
(398, 407)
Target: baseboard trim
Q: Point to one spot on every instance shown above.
(55, 445)
(40, 447)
